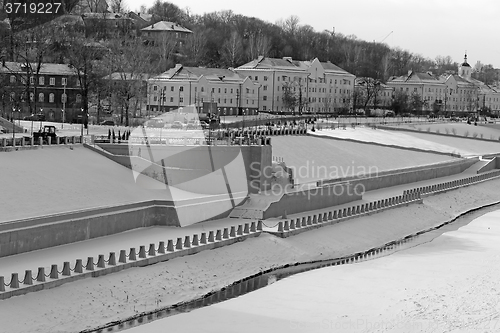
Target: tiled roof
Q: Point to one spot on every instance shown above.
(165, 26)
(289, 64)
(60, 69)
(329, 67)
(194, 73)
(415, 77)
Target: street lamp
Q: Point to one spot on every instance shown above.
(82, 125)
(63, 112)
(13, 126)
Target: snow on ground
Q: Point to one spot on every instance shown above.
(457, 145)
(447, 285)
(95, 301)
(60, 179)
(315, 158)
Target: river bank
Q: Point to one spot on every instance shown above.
(93, 302)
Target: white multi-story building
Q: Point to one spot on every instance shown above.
(313, 85)
(231, 92)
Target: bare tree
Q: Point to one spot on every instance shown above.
(195, 47)
(232, 49)
(130, 63)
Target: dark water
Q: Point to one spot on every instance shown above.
(270, 276)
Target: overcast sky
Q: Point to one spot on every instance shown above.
(426, 27)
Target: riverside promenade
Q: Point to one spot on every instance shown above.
(154, 235)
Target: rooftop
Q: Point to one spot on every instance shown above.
(166, 26)
(46, 68)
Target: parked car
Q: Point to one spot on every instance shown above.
(107, 123)
(196, 124)
(36, 117)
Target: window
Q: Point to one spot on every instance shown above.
(12, 79)
(171, 99)
(265, 78)
(64, 81)
(264, 108)
(213, 90)
(32, 96)
(51, 98)
(181, 88)
(41, 97)
(278, 88)
(155, 98)
(172, 88)
(52, 81)
(64, 98)
(256, 78)
(181, 100)
(231, 101)
(265, 88)
(78, 98)
(155, 88)
(264, 98)
(278, 79)
(77, 82)
(202, 89)
(225, 90)
(248, 91)
(32, 80)
(218, 100)
(219, 90)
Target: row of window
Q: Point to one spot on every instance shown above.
(41, 80)
(295, 78)
(181, 100)
(41, 97)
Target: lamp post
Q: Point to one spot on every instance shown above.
(41, 112)
(244, 120)
(13, 126)
(82, 125)
(63, 116)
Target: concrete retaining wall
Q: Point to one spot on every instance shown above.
(205, 159)
(40, 233)
(416, 174)
(312, 199)
(451, 185)
(30, 281)
(289, 227)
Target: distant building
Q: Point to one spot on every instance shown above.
(181, 86)
(106, 25)
(427, 86)
(288, 85)
(54, 89)
(141, 20)
(465, 94)
(162, 31)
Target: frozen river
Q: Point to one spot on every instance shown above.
(447, 285)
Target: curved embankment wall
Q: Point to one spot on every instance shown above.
(48, 231)
(404, 176)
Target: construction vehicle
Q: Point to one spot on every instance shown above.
(45, 133)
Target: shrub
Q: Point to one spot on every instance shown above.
(454, 131)
(474, 135)
(466, 134)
